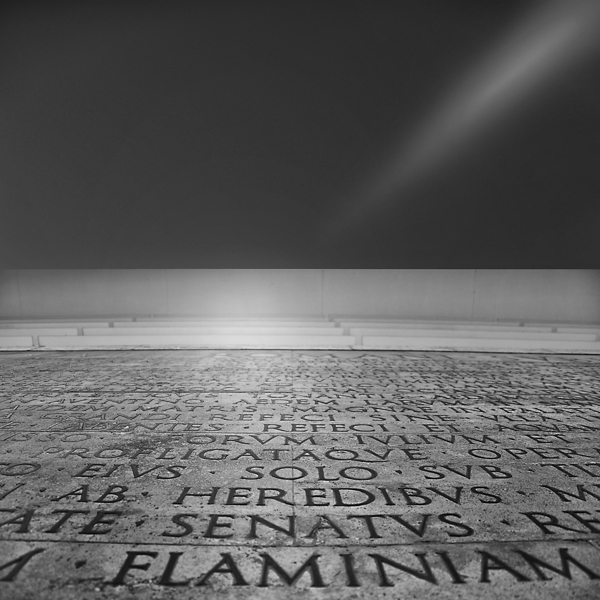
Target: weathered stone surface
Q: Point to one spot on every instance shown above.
(174, 474)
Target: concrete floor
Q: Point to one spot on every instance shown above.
(299, 474)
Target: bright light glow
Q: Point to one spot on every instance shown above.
(536, 54)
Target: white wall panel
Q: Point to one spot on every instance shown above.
(88, 293)
(418, 293)
(245, 292)
(10, 305)
(482, 295)
(538, 295)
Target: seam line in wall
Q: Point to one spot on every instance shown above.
(167, 290)
(19, 295)
(473, 295)
(323, 292)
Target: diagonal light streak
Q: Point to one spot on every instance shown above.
(534, 55)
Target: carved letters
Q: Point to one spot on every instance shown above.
(338, 470)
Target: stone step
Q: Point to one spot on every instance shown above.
(440, 325)
(198, 341)
(556, 324)
(434, 322)
(16, 341)
(298, 333)
(230, 330)
(200, 318)
(476, 334)
(226, 323)
(38, 331)
(51, 324)
(80, 319)
(373, 342)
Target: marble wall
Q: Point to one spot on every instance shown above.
(544, 295)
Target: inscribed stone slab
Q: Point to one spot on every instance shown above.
(305, 474)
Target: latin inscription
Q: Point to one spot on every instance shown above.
(199, 469)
